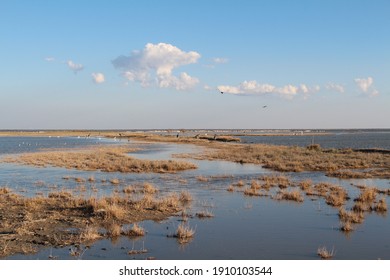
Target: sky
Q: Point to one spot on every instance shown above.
(163, 64)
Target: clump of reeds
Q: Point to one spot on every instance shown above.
(240, 183)
(89, 234)
(351, 216)
(134, 231)
(204, 214)
(91, 179)
(230, 188)
(381, 206)
(129, 189)
(79, 180)
(202, 179)
(185, 197)
(346, 226)
(294, 195)
(149, 188)
(325, 253)
(4, 190)
(367, 195)
(114, 181)
(184, 233)
(255, 185)
(305, 184)
(114, 230)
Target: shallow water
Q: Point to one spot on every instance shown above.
(243, 227)
(337, 139)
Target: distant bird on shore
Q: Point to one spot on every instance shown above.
(265, 106)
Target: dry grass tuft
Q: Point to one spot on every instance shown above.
(240, 183)
(325, 253)
(202, 179)
(230, 188)
(129, 189)
(185, 197)
(381, 206)
(90, 234)
(204, 214)
(294, 195)
(149, 188)
(134, 231)
(346, 226)
(114, 230)
(114, 181)
(184, 233)
(351, 216)
(367, 195)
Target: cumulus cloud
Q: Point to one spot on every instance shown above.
(335, 87)
(74, 66)
(220, 60)
(98, 78)
(154, 65)
(366, 86)
(255, 88)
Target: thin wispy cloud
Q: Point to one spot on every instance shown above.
(220, 60)
(49, 59)
(154, 65)
(75, 67)
(365, 85)
(98, 78)
(335, 87)
(254, 88)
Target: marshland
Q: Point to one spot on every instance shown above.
(194, 195)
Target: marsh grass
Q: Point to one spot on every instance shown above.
(134, 231)
(293, 195)
(184, 233)
(297, 159)
(107, 159)
(351, 216)
(46, 218)
(202, 179)
(185, 197)
(325, 253)
(204, 214)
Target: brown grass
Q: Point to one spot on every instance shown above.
(294, 195)
(185, 197)
(44, 220)
(296, 159)
(149, 188)
(230, 188)
(134, 231)
(202, 179)
(114, 181)
(351, 216)
(346, 226)
(108, 159)
(204, 214)
(325, 253)
(381, 206)
(184, 233)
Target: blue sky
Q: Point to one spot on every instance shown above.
(162, 64)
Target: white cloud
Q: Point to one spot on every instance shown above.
(335, 87)
(49, 59)
(74, 66)
(366, 86)
(154, 65)
(98, 78)
(219, 60)
(255, 88)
